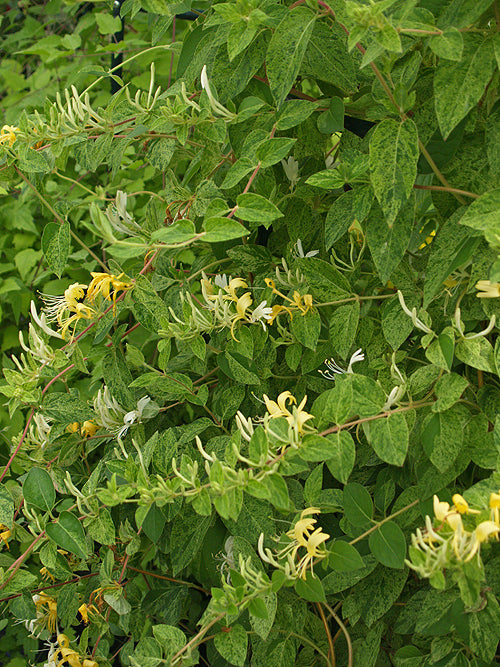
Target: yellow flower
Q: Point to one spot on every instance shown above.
(495, 507)
(69, 656)
(278, 408)
(300, 531)
(487, 289)
(314, 550)
(73, 428)
(303, 303)
(46, 574)
(84, 611)
(103, 283)
(481, 534)
(8, 134)
(242, 305)
(88, 429)
(461, 505)
(305, 536)
(441, 509)
(46, 607)
(67, 309)
(5, 534)
(428, 240)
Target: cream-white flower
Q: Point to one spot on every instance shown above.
(299, 250)
(291, 169)
(41, 321)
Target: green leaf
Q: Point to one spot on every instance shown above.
(328, 179)
(236, 172)
(324, 280)
(477, 353)
(388, 545)
(233, 645)
(277, 491)
(38, 489)
(260, 624)
(222, 229)
(315, 448)
(238, 368)
(101, 528)
(344, 557)
(67, 532)
(56, 245)
(188, 533)
(448, 390)
(451, 248)
(294, 112)
(286, 51)
(358, 505)
(108, 24)
(332, 120)
(393, 164)
(458, 86)
(442, 436)
(273, 150)
(154, 523)
(389, 438)
(66, 408)
(178, 232)
(388, 244)
(310, 588)
(149, 309)
(484, 213)
(342, 455)
(255, 208)
(326, 57)
(306, 328)
(352, 206)
(334, 404)
(368, 396)
(6, 507)
(449, 44)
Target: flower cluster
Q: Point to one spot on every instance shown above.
(303, 535)
(69, 309)
(62, 654)
(446, 543)
(8, 135)
(298, 302)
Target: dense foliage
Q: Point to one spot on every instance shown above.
(249, 287)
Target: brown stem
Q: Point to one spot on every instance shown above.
(341, 625)
(331, 648)
(341, 427)
(440, 188)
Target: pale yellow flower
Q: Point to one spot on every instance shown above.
(46, 574)
(487, 289)
(314, 551)
(46, 607)
(481, 534)
(88, 428)
(5, 533)
(278, 408)
(495, 507)
(461, 505)
(301, 530)
(441, 509)
(8, 134)
(242, 304)
(70, 656)
(105, 284)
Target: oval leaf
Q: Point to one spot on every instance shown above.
(67, 532)
(38, 489)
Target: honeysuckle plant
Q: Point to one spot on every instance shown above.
(250, 302)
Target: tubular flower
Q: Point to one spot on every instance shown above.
(441, 509)
(67, 309)
(487, 289)
(8, 134)
(495, 507)
(69, 656)
(278, 408)
(481, 534)
(462, 506)
(305, 536)
(334, 368)
(5, 533)
(105, 283)
(88, 429)
(302, 303)
(46, 611)
(46, 574)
